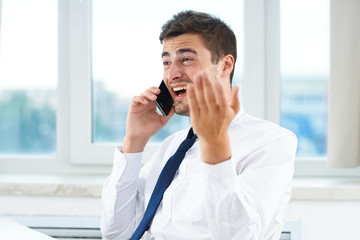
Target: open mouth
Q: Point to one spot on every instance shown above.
(179, 90)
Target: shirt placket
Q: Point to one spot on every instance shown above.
(163, 219)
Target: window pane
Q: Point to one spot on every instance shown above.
(28, 76)
(126, 56)
(305, 62)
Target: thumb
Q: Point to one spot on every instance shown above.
(235, 102)
(167, 118)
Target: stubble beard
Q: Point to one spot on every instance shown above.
(182, 109)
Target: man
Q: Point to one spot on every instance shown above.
(235, 180)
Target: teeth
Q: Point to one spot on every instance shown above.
(179, 88)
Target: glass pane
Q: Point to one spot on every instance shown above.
(126, 56)
(305, 64)
(28, 76)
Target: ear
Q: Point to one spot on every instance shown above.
(227, 65)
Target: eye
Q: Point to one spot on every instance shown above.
(166, 63)
(187, 60)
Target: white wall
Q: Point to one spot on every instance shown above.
(326, 220)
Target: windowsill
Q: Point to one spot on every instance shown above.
(326, 188)
(331, 189)
(51, 185)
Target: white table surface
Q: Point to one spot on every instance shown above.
(10, 230)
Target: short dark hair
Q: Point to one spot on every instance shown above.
(217, 35)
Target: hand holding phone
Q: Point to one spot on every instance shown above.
(164, 100)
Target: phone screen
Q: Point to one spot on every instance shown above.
(164, 100)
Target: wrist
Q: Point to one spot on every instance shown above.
(133, 145)
(216, 150)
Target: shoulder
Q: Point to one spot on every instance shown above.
(245, 124)
(258, 144)
(255, 133)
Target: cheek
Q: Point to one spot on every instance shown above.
(192, 71)
(165, 78)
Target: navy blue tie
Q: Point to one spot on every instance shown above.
(163, 182)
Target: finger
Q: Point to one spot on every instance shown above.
(235, 102)
(150, 94)
(209, 93)
(220, 95)
(199, 92)
(140, 99)
(154, 90)
(193, 104)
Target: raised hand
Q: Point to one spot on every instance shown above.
(143, 121)
(211, 114)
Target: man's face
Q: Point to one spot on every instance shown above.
(184, 57)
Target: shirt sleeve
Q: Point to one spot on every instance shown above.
(242, 199)
(121, 201)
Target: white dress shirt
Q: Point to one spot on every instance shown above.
(241, 198)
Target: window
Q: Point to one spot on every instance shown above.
(76, 71)
(305, 61)
(28, 73)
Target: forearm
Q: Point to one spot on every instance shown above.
(121, 198)
(247, 196)
(118, 218)
(229, 210)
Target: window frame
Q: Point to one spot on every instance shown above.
(69, 21)
(262, 78)
(83, 151)
(75, 151)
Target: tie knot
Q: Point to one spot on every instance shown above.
(190, 133)
(188, 142)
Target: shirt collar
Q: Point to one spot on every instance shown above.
(240, 113)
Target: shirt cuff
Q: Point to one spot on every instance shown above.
(126, 165)
(219, 178)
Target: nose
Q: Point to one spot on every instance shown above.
(173, 72)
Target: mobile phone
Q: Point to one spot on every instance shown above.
(164, 100)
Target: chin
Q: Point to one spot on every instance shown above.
(183, 113)
(182, 109)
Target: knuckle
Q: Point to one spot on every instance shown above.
(135, 98)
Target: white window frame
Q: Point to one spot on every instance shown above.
(262, 77)
(75, 151)
(71, 17)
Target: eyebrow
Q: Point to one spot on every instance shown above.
(181, 50)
